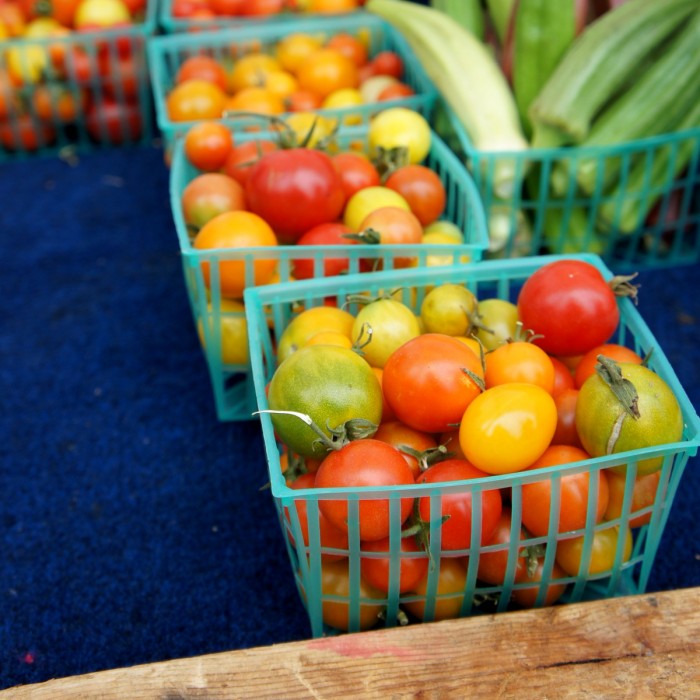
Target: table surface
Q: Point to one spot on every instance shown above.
(637, 647)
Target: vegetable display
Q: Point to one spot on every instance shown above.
(468, 476)
(577, 119)
(73, 73)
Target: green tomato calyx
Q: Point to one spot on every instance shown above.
(625, 391)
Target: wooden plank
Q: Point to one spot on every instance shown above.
(635, 647)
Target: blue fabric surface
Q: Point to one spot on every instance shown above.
(132, 524)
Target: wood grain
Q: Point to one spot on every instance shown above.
(635, 647)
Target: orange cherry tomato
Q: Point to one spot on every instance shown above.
(194, 100)
(201, 67)
(237, 229)
(207, 145)
(586, 365)
(326, 71)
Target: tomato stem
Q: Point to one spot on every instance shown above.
(622, 286)
(623, 389)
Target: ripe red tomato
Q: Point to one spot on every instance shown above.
(566, 433)
(324, 234)
(294, 190)
(573, 493)
(493, 564)
(377, 571)
(359, 464)
(356, 172)
(456, 531)
(422, 188)
(586, 365)
(429, 366)
(329, 535)
(568, 303)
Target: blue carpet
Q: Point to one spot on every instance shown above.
(132, 526)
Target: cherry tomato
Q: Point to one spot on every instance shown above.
(388, 62)
(449, 309)
(194, 100)
(367, 200)
(527, 596)
(310, 322)
(330, 537)
(498, 320)
(208, 195)
(449, 594)
(519, 361)
(331, 385)
(573, 494)
(429, 366)
(327, 70)
(563, 378)
(508, 427)
(493, 564)
(605, 427)
(207, 145)
(251, 69)
(413, 444)
(202, 67)
(237, 229)
(456, 531)
(422, 188)
(233, 331)
(365, 463)
(386, 324)
(566, 433)
(294, 190)
(644, 494)
(293, 48)
(569, 304)
(586, 365)
(603, 552)
(400, 127)
(350, 46)
(377, 571)
(336, 609)
(333, 233)
(243, 156)
(356, 172)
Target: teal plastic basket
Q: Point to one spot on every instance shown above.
(167, 53)
(77, 92)
(173, 25)
(486, 279)
(636, 204)
(232, 384)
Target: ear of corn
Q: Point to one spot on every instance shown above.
(600, 63)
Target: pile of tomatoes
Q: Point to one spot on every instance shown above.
(255, 192)
(57, 74)
(301, 71)
(456, 388)
(202, 10)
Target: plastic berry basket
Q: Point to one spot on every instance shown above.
(166, 54)
(232, 384)
(489, 278)
(75, 93)
(171, 24)
(636, 204)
